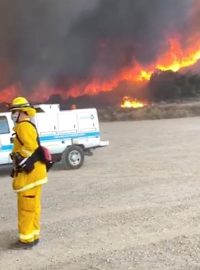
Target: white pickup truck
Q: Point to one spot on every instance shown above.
(68, 134)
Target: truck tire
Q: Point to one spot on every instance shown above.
(73, 157)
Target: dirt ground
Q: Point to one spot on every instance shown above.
(133, 205)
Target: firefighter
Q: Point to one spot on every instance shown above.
(29, 174)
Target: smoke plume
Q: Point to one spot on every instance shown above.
(66, 42)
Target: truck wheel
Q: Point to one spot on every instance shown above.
(73, 157)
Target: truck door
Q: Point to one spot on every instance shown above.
(46, 123)
(88, 120)
(67, 122)
(5, 136)
(88, 127)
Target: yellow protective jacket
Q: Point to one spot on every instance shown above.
(28, 137)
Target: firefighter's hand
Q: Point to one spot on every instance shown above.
(17, 158)
(22, 164)
(18, 161)
(25, 164)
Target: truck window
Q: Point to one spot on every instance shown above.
(4, 127)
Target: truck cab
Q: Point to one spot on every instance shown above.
(6, 130)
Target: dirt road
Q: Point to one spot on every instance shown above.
(133, 205)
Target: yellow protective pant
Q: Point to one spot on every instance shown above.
(29, 214)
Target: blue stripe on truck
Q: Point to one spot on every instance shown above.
(6, 147)
(69, 136)
(48, 138)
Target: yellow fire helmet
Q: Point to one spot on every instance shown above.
(22, 104)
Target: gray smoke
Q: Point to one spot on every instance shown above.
(65, 41)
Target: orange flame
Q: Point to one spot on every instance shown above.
(6, 95)
(128, 102)
(175, 58)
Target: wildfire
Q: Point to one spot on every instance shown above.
(175, 58)
(128, 102)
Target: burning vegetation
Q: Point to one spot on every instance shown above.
(87, 48)
(128, 103)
